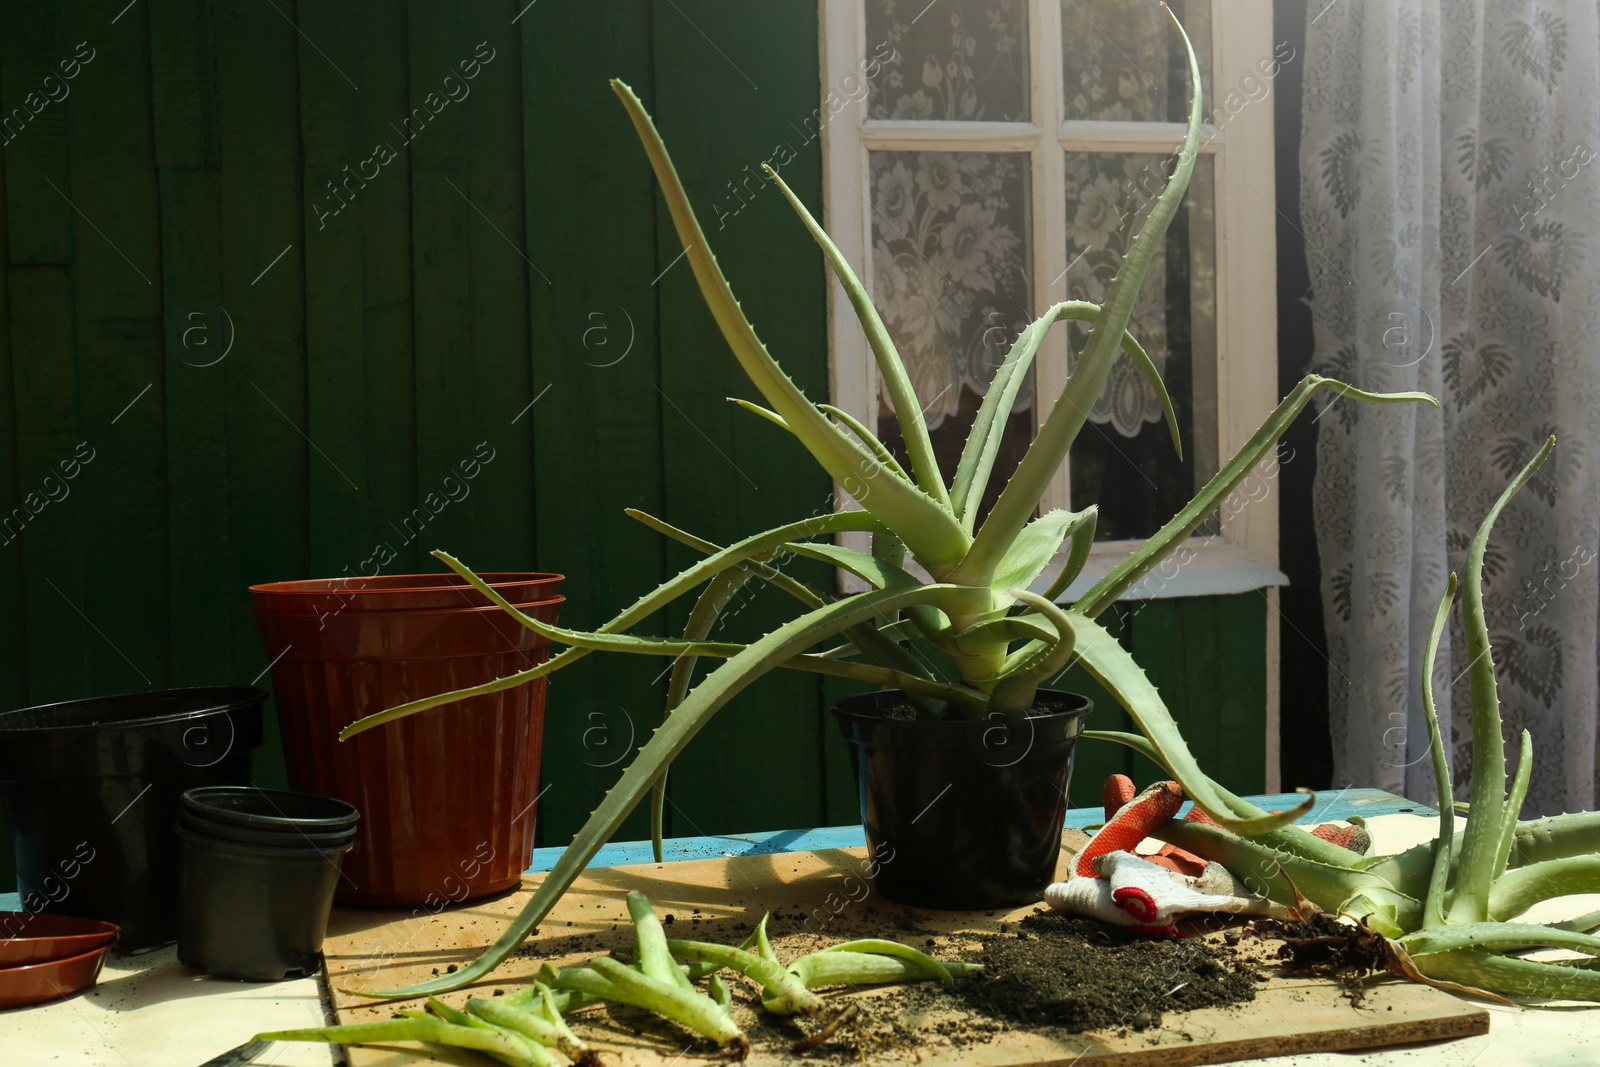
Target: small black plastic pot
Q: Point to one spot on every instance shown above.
(257, 912)
(962, 814)
(255, 816)
(91, 791)
(244, 835)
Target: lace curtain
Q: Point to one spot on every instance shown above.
(1450, 194)
(952, 232)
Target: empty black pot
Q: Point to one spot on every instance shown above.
(91, 791)
(255, 816)
(257, 912)
(962, 814)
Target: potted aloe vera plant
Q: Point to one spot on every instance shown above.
(1000, 640)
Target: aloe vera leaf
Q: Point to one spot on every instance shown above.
(654, 959)
(854, 425)
(687, 1008)
(756, 409)
(1290, 838)
(1014, 692)
(1519, 794)
(1022, 493)
(1140, 562)
(884, 651)
(1264, 868)
(822, 969)
(530, 1025)
(892, 372)
(1114, 668)
(982, 635)
(921, 519)
(1496, 937)
(1037, 545)
(988, 427)
(1434, 906)
(961, 696)
(783, 993)
(868, 438)
(1519, 889)
(641, 609)
(1082, 544)
(669, 739)
(924, 963)
(495, 1042)
(1555, 837)
(702, 617)
(1506, 975)
(1475, 870)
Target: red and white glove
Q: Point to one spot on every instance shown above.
(1112, 883)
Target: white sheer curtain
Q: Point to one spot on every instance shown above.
(1450, 184)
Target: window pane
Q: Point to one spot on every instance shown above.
(952, 246)
(949, 59)
(1123, 459)
(1123, 61)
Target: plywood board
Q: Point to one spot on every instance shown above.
(817, 898)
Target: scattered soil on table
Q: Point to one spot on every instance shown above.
(1072, 974)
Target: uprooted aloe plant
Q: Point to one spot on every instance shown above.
(1450, 906)
(980, 572)
(520, 1033)
(657, 982)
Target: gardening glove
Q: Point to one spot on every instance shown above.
(1147, 894)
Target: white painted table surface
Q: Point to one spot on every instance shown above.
(149, 1010)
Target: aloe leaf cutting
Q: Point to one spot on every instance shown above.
(996, 641)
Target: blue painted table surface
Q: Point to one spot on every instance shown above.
(1330, 804)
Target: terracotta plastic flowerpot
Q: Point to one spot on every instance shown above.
(91, 791)
(446, 796)
(401, 592)
(962, 813)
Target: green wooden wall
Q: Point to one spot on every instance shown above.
(408, 268)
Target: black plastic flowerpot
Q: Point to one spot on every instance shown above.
(91, 791)
(257, 912)
(255, 816)
(962, 814)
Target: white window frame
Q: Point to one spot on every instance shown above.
(1244, 556)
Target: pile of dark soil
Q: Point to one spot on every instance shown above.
(1075, 974)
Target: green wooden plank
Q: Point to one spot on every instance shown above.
(13, 661)
(117, 311)
(198, 537)
(197, 333)
(384, 214)
(44, 518)
(498, 520)
(1207, 656)
(448, 426)
(268, 454)
(338, 154)
(727, 473)
(596, 425)
(183, 91)
(33, 127)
